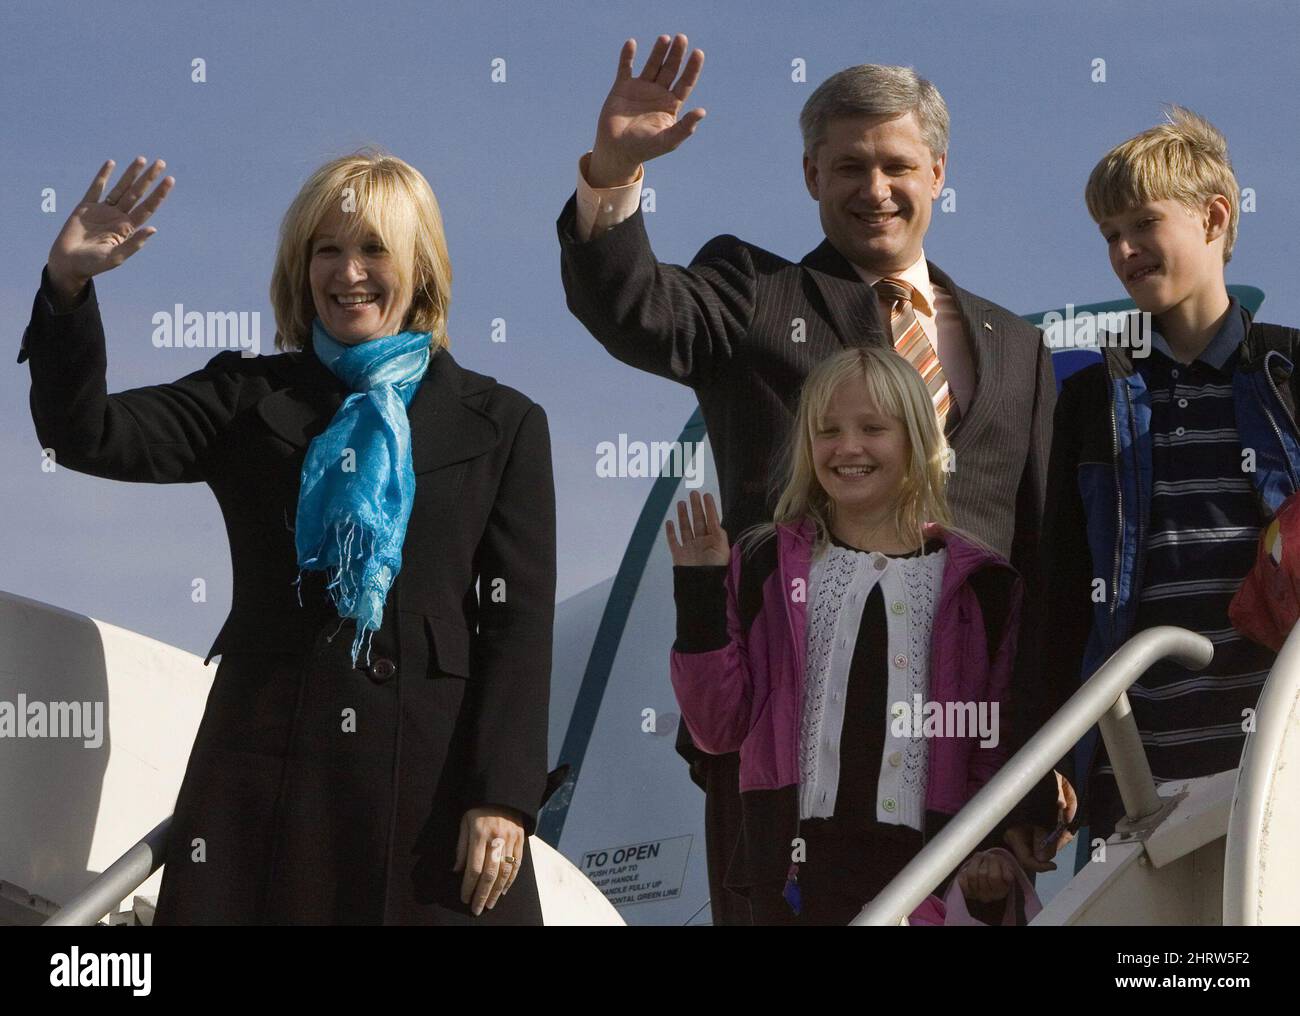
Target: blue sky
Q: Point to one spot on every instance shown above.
(290, 85)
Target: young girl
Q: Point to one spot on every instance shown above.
(810, 645)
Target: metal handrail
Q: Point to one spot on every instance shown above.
(123, 877)
(1255, 799)
(1102, 698)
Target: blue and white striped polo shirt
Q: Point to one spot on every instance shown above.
(1204, 527)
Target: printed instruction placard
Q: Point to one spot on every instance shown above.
(639, 872)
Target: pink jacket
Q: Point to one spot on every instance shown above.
(764, 664)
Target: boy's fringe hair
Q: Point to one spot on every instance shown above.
(898, 391)
(1184, 159)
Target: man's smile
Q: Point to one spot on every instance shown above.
(876, 219)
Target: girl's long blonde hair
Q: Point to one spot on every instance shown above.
(898, 391)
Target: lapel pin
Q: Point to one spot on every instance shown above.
(988, 327)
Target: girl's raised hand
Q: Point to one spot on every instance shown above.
(703, 540)
(100, 235)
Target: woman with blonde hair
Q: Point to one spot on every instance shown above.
(373, 750)
(819, 643)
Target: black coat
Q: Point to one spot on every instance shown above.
(315, 792)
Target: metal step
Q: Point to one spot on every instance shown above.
(19, 908)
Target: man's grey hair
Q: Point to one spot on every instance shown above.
(875, 90)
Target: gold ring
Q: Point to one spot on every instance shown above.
(510, 860)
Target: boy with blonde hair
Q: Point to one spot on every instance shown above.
(1165, 467)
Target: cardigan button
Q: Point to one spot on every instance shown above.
(889, 804)
(382, 670)
(898, 607)
(880, 562)
(896, 759)
(900, 661)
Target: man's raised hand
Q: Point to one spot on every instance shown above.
(638, 121)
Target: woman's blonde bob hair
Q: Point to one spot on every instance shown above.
(378, 193)
(898, 391)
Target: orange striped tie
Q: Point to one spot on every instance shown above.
(911, 341)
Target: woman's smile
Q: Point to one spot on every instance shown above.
(354, 283)
(355, 305)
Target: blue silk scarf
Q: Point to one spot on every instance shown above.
(358, 483)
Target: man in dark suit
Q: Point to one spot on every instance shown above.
(743, 326)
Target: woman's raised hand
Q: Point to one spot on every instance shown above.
(703, 541)
(638, 121)
(100, 235)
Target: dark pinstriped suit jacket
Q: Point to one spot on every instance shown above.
(724, 327)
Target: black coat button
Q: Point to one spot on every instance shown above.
(382, 669)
